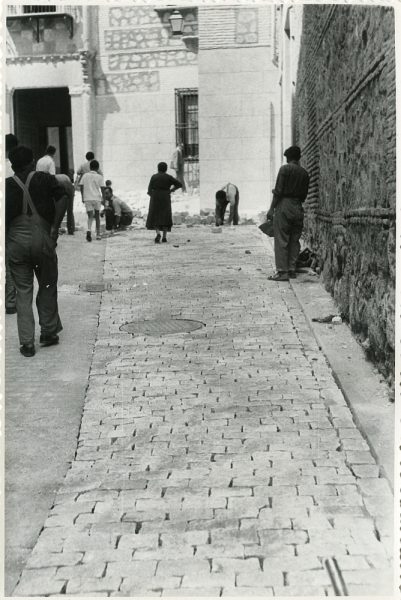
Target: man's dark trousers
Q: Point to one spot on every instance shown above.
(125, 220)
(26, 257)
(288, 224)
(70, 215)
(221, 206)
(9, 287)
(109, 216)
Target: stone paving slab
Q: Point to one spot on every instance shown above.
(44, 396)
(221, 462)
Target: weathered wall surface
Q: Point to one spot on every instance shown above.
(138, 66)
(37, 36)
(238, 99)
(345, 112)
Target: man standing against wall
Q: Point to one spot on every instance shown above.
(177, 163)
(288, 196)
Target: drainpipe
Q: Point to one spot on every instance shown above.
(87, 87)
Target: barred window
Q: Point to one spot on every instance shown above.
(39, 9)
(186, 119)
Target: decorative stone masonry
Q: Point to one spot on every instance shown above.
(131, 16)
(345, 119)
(138, 39)
(133, 82)
(150, 60)
(246, 26)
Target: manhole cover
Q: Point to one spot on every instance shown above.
(161, 326)
(95, 287)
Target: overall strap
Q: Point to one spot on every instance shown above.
(27, 199)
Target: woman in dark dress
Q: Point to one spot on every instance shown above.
(160, 187)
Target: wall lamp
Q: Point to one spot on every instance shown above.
(176, 21)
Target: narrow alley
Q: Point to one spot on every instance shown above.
(220, 460)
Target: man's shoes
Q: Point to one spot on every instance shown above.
(164, 240)
(11, 310)
(98, 236)
(292, 274)
(49, 340)
(278, 277)
(157, 238)
(88, 236)
(27, 350)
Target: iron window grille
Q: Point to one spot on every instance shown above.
(38, 9)
(186, 122)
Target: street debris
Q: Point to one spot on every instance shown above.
(328, 319)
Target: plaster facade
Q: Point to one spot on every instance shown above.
(122, 67)
(238, 103)
(138, 67)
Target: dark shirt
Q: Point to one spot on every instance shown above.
(162, 181)
(292, 182)
(44, 189)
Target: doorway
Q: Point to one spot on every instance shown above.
(41, 117)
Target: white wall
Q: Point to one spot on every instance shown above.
(237, 87)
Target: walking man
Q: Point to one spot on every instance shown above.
(229, 194)
(92, 186)
(69, 190)
(46, 163)
(177, 163)
(35, 207)
(288, 214)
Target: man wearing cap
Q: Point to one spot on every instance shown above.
(289, 194)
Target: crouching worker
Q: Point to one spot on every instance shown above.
(229, 194)
(117, 213)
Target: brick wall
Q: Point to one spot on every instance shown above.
(345, 120)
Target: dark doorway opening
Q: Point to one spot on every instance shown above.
(42, 117)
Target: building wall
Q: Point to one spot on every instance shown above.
(54, 33)
(346, 127)
(139, 64)
(238, 94)
(57, 60)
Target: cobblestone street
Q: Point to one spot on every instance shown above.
(220, 462)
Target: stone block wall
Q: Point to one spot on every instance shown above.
(139, 65)
(239, 96)
(345, 121)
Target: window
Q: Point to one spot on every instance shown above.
(186, 122)
(39, 9)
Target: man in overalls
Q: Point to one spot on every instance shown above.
(35, 207)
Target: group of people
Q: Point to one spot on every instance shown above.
(99, 199)
(36, 200)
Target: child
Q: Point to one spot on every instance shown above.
(92, 186)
